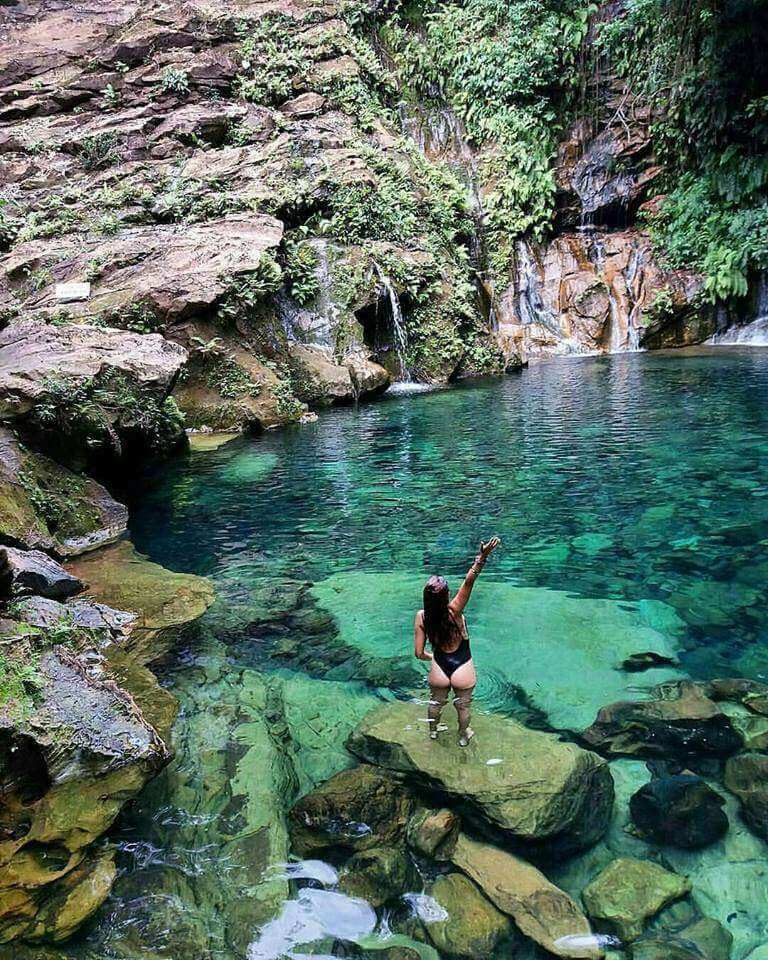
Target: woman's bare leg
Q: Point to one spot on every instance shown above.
(439, 688)
(463, 681)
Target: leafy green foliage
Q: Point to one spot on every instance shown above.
(703, 69)
(505, 68)
(301, 263)
(100, 150)
(175, 80)
(247, 293)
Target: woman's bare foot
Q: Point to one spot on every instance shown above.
(466, 737)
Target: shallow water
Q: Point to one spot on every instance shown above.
(631, 495)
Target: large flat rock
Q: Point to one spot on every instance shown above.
(538, 792)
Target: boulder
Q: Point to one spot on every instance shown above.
(540, 910)
(162, 600)
(43, 505)
(681, 810)
(61, 792)
(544, 794)
(710, 937)
(378, 874)
(628, 892)
(473, 928)
(747, 776)
(103, 623)
(753, 694)
(681, 722)
(356, 810)
(431, 831)
(26, 572)
(86, 391)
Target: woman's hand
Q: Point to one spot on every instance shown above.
(487, 548)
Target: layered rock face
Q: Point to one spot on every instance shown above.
(229, 179)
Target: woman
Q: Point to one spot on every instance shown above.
(442, 623)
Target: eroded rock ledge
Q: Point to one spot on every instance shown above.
(83, 726)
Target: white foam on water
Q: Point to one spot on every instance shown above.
(308, 870)
(426, 908)
(313, 916)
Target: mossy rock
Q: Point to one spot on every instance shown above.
(378, 875)
(628, 892)
(164, 601)
(544, 794)
(474, 927)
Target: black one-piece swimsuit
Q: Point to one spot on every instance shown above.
(449, 662)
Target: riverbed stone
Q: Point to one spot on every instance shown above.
(543, 794)
(710, 937)
(474, 927)
(431, 832)
(746, 776)
(541, 911)
(680, 722)
(628, 892)
(378, 874)
(26, 572)
(681, 810)
(163, 601)
(356, 810)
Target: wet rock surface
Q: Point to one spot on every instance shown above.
(680, 810)
(746, 776)
(357, 810)
(544, 794)
(26, 572)
(682, 722)
(625, 895)
(545, 914)
(474, 927)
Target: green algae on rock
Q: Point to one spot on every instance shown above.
(545, 794)
(357, 809)
(628, 892)
(163, 600)
(378, 875)
(474, 927)
(545, 914)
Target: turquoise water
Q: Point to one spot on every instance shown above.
(631, 495)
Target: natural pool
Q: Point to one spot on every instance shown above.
(631, 494)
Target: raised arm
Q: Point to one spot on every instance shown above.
(465, 590)
(419, 638)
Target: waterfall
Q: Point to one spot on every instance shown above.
(398, 323)
(754, 333)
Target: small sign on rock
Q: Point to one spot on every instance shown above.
(70, 292)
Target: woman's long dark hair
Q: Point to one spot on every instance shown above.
(439, 626)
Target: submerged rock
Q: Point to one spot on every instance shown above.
(474, 927)
(357, 809)
(544, 794)
(540, 910)
(747, 776)
(682, 811)
(163, 600)
(74, 747)
(628, 892)
(681, 722)
(377, 874)
(26, 572)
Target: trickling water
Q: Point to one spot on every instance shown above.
(398, 324)
(754, 333)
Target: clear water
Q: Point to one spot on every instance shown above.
(631, 495)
